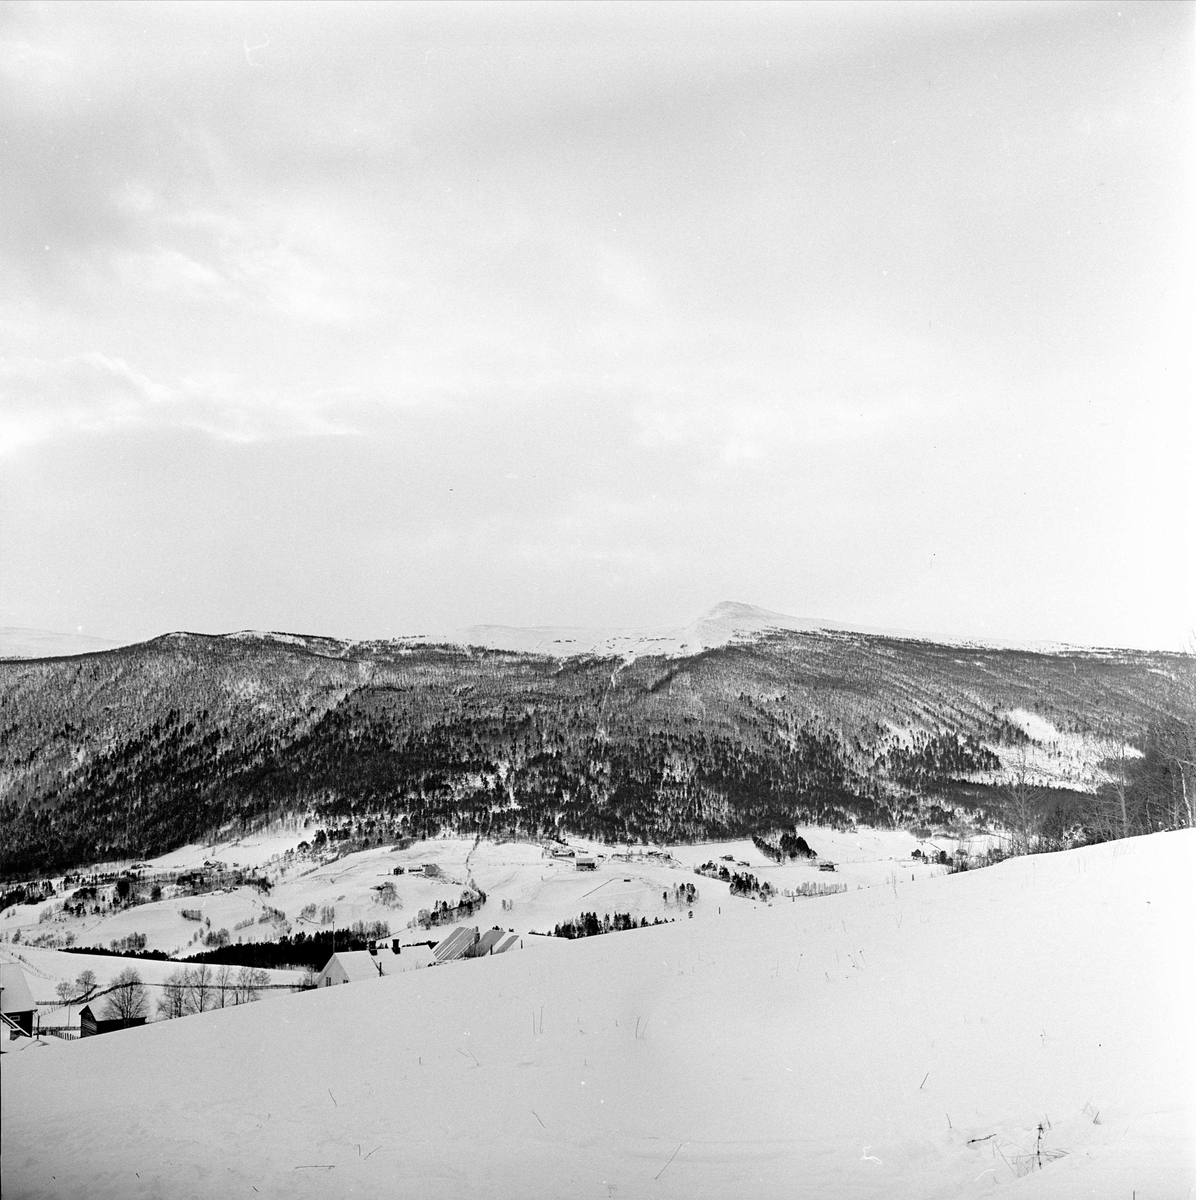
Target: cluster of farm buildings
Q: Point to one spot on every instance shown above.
(18, 1010)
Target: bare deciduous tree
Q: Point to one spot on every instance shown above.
(1183, 743)
(1119, 770)
(201, 988)
(1021, 806)
(1108, 812)
(127, 998)
(66, 995)
(226, 985)
(250, 981)
(173, 1001)
(77, 992)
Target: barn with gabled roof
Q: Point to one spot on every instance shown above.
(458, 943)
(16, 1000)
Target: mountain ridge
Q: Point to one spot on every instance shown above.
(723, 623)
(136, 750)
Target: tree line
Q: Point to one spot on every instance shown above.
(296, 951)
(185, 991)
(591, 925)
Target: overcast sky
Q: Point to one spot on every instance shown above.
(384, 319)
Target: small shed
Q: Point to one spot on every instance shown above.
(90, 1024)
(16, 1000)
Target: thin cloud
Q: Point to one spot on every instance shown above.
(95, 394)
(788, 300)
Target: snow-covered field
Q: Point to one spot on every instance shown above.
(527, 888)
(1025, 1029)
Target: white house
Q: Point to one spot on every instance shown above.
(352, 966)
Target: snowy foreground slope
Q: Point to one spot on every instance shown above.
(886, 1043)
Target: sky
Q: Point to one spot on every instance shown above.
(373, 320)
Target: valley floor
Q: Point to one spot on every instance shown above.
(527, 888)
(1024, 1029)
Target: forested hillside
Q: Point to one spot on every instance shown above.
(131, 752)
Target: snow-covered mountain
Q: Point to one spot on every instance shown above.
(747, 737)
(728, 621)
(724, 623)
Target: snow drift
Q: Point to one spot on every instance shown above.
(1024, 1030)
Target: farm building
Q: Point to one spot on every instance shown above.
(352, 966)
(90, 1024)
(494, 941)
(457, 944)
(585, 862)
(464, 942)
(16, 1000)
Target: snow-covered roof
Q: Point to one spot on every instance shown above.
(410, 959)
(361, 964)
(489, 940)
(356, 964)
(456, 943)
(15, 995)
